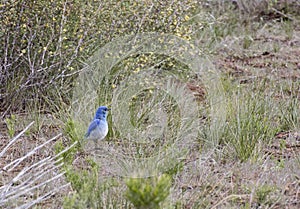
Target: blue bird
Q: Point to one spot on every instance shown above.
(98, 128)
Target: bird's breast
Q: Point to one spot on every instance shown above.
(99, 132)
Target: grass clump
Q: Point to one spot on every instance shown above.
(262, 194)
(148, 193)
(290, 114)
(249, 122)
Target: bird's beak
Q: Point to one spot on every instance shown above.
(108, 108)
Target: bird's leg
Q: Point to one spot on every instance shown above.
(96, 144)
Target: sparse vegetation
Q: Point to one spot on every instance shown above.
(148, 193)
(245, 153)
(11, 125)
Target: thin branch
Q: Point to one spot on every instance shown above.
(15, 139)
(32, 188)
(19, 160)
(44, 197)
(233, 196)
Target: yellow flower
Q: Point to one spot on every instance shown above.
(186, 17)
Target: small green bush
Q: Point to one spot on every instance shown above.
(148, 193)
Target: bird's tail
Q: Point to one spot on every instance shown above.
(86, 135)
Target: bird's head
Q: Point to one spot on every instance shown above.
(101, 112)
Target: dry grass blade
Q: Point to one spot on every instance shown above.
(15, 139)
(43, 198)
(29, 180)
(19, 160)
(230, 197)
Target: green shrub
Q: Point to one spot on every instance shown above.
(148, 193)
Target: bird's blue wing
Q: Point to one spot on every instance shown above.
(92, 127)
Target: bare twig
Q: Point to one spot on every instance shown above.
(43, 197)
(15, 139)
(19, 160)
(37, 181)
(233, 196)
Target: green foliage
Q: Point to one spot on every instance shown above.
(290, 114)
(148, 193)
(72, 133)
(250, 122)
(262, 194)
(11, 125)
(247, 42)
(79, 179)
(175, 170)
(68, 156)
(87, 192)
